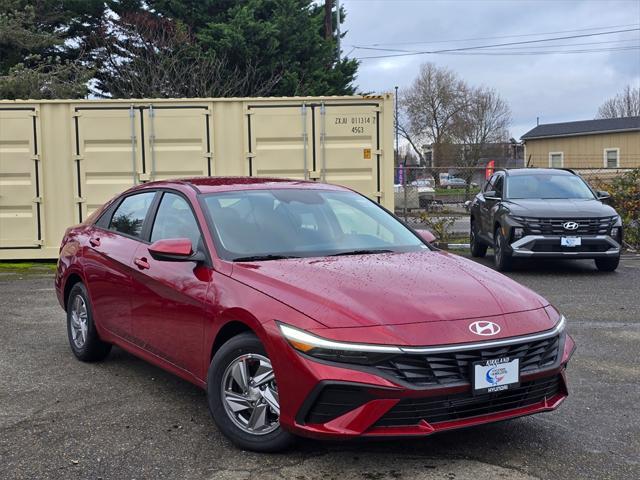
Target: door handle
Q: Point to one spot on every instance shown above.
(142, 263)
(94, 241)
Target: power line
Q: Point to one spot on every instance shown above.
(607, 42)
(499, 36)
(556, 45)
(549, 52)
(477, 47)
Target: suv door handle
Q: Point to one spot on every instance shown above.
(142, 263)
(94, 241)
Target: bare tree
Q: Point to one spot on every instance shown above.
(483, 122)
(430, 106)
(141, 56)
(625, 104)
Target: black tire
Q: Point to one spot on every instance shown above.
(245, 343)
(607, 264)
(478, 249)
(92, 348)
(501, 256)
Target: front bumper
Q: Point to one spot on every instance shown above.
(326, 400)
(593, 246)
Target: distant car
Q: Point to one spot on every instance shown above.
(540, 212)
(426, 192)
(454, 182)
(304, 308)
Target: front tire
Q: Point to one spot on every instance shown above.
(84, 340)
(607, 264)
(501, 256)
(478, 249)
(243, 397)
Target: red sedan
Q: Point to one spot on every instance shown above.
(306, 309)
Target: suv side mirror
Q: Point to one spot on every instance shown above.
(426, 235)
(174, 250)
(491, 195)
(602, 195)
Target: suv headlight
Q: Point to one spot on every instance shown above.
(335, 351)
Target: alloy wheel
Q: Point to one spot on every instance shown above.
(250, 395)
(79, 322)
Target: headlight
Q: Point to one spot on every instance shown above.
(325, 349)
(518, 233)
(615, 232)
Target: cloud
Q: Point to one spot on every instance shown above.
(554, 87)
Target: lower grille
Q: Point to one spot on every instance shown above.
(411, 411)
(547, 247)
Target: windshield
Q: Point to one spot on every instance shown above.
(547, 186)
(269, 224)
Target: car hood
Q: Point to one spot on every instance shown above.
(554, 208)
(388, 289)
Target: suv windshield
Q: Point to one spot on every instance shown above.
(547, 186)
(281, 223)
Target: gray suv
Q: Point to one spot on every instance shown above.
(540, 212)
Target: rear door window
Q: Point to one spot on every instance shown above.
(128, 218)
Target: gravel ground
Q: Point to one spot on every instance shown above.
(125, 419)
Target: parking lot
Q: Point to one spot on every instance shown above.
(125, 419)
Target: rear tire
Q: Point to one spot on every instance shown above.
(234, 418)
(502, 258)
(84, 340)
(607, 264)
(478, 249)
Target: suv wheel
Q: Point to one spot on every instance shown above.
(84, 340)
(243, 396)
(478, 249)
(501, 256)
(607, 264)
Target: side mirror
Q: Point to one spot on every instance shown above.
(174, 250)
(427, 236)
(491, 195)
(602, 195)
(467, 204)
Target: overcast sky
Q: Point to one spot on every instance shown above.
(554, 87)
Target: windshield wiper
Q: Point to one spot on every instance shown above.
(258, 258)
(360, 252)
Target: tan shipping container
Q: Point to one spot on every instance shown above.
(61, 159)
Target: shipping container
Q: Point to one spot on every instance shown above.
(61, 159)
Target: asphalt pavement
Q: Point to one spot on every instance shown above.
(125, 419)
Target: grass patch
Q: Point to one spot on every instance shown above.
(49, 266)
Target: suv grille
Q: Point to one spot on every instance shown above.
(410, 411)
(455, 367)
(553, 226)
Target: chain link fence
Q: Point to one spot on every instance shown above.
(434, 197)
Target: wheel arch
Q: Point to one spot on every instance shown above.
(229, 330)
(71, 280)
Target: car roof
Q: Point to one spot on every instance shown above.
(226, 184)
(538, 171)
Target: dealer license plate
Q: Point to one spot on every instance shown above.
(570, 241)
(495, 375)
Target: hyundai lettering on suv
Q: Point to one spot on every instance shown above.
(548, 213)
(307, 309)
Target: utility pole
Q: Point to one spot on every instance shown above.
(328, 24)
(338, 26)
